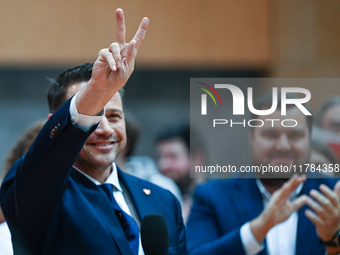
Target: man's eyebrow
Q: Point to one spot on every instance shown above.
(113, 110)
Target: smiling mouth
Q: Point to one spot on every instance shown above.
(102, 146)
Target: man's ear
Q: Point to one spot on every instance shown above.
(49, 116)
(199, 158)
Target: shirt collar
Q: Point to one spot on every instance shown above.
(112, 179)
(266, 195)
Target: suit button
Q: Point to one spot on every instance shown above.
(52, 133)
(57, 127)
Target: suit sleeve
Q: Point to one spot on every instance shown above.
(35, 184)
(203, 230)
(181, 229)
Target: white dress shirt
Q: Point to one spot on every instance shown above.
(85, 122)
(281, 239)
(5, 240)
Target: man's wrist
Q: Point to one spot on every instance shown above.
(332, 251)
(335, 241)
(260, 227)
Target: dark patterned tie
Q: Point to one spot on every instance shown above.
(129, 225)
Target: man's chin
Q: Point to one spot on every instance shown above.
(104, 161)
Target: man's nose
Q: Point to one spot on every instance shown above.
(104, 127)
(283, 143)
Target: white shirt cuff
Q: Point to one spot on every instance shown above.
(84, 122)
(250, 245)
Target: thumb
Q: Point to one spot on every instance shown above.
(337, 189)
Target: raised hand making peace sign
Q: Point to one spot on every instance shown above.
(112, 68)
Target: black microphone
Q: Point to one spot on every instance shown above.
(155, 235)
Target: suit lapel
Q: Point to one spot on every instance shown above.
(103, 208)
(305, 236)
(144, 203)
(247, 200)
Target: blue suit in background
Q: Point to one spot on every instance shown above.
(51, 208)
(222, 207)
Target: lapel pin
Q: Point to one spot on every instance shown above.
(147, 191)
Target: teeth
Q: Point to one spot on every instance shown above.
(103, 144)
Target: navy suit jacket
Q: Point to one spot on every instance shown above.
(221, 207)
(51, 208)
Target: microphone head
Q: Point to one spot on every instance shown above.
(155, 235)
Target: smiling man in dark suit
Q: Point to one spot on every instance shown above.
(269, 215)
(66, 195)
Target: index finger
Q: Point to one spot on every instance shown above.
(291, 185)
(121, 30)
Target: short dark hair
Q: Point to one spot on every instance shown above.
(171, 132)
(56, 94)
(265, 102)
(331, 101)
(182, 132)
(133, 130)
